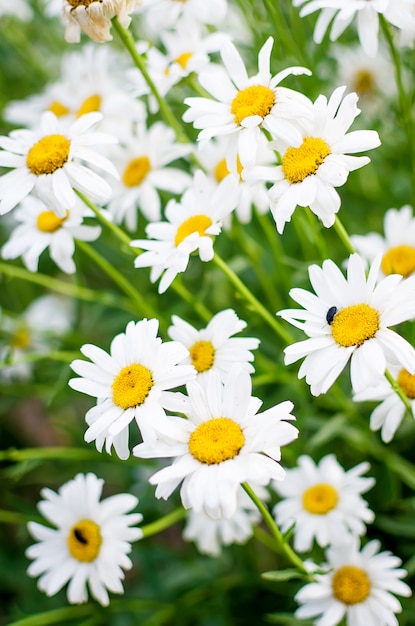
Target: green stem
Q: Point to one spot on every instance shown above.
(63, 356)
(284, 547)
(144, 308)
(56, 616)
(13, 517)
(164, 522)
(165, 110)
(343, 235)
(253, 301)
(65, 288)
(397, 389)
(52, 453)
(116, 230)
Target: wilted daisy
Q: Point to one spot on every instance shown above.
(397, 247)
(349, 318)
(324, 501)
(342, 13)
(191, 225)
(313, 165)
(243, 105)
(213, 347)
(130, 383)
(388, 415)
(89, 541)
(93, 17)
(223, 442)
(358, 586)
(210, 534)
(144, 166)
(49, 162)
(40, 228)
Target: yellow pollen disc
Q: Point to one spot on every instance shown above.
(183, 59)
(221, 169)
(216, 440)
(399, 260)
(298, 163)
(82, 3)
(48, 154)
(195, 224)
(254, 100)
(320, 499)
(21, 339)
(354, 324)
(202, 354)
(90, 105)
(351, 585)
(136, 171)
(364, 83)
(406, 382)
(132, 386)
(84, 541)
(49, 222)
(58, 109)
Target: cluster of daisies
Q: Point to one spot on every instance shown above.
(89, 145)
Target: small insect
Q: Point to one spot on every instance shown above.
(80, 536)
(330, 314)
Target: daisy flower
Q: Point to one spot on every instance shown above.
(169, 14)
(93, 17)
(143, 163)
(223, 442)
(242, 106)
(212, 156)
(388, 415)
(213, 347)
(210, 534)
(130, 383)
(89, 542)
(315, 163)
(348, 319)
(40, 228)
(47, 162)
(36, 330)
(342, 13)
(397, 247)
(324, 501)
(359, 586)
(191, 225)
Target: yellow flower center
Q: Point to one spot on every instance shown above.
(406, 382)
(254, 100)
(90, 105)
(48, 154)
(202, 354)
(84, 541)
(320, 499)
(298, 163)
(195, 224)
(354, 324)
(216, 440)
(399, 260)
(183, 59)
(49, 222)
(364, 83)
(132, 386)
(82, 3)
(20, 339)
(58, 108)
(221, 169)
(136, 171)
(351, 585)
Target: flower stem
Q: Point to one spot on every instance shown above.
(343, 235)
(284, 547)
(165, 110)
(56, 616)
(144, 308)
(116, 230)
(397, 389)
(164, 522)
(65, 288)
(253, 301)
